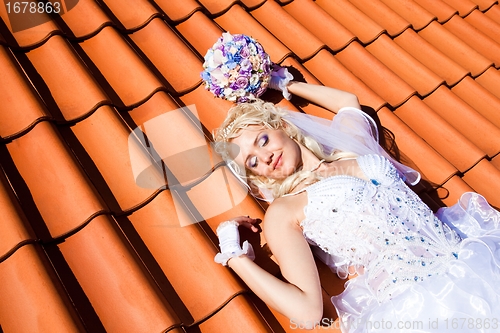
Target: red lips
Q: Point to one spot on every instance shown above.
(278, 160)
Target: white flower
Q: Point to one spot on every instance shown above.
(252, 48)
(254, 79)
(226, 37)
(219, 77)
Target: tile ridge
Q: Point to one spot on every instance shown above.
(16, 247)
(11, 137)
(219, 308)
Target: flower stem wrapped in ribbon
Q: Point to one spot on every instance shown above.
(238, 69)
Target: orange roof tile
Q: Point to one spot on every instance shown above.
(111, 192)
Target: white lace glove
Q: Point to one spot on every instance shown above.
(280, 77)
(229, 242)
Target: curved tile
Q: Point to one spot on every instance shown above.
(464, 7)
(179, 247)
(86, 18)
(169, 54)
(412, 12)
(71, 85)
(105, 138)
(326, 68)
(438, 8)
(15, 228)
(496, 161)
(404, 65)
(120, 66)
(478, 129)
(63, 195)
(372, 72)
(455, 48)
(28, 29)
(32, 300)
(484, 24)
(238, 21)
(239, 315)
(494, 13)
(485, 4)
(487, 47)
(17, 93)
(216, 7)
(178, 10)
(296, 37)
(439, 134)
(131, 13)
(200, 32)
(491, 81)
(479, 98)
(431, 57)
(320, 23)
(449, 193)
(484, 178)
(432, 165)
(379, 12)
(119, 288)
(364, 28)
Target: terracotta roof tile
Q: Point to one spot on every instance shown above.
(449, 193)
(479, 98)
(320, 23)
(372, 72)
(485, 179)
(431, 57)
(178, 10)
(29, 30)
(438, 8)
(44, 147)
(491, 81)
(326, 68)
(474, 38)
(86, 18)
(109, 272)
(494, 13)
(463, 54)
(412, 12)
(237, 21)
(484, 24)
(432, 165)
(274, 18)
(131, 13)
(200, 32)
(469, 122)
(382, 15)
(108, 150)
(439, 134)
(17, 93)
(169, 54)
(485, 4)
(464, 7)
(16, 230)
(120, 66)
(364, 28)
(419, 77)
(27, 286)
(71, 85)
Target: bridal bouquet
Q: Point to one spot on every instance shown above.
(236, 68)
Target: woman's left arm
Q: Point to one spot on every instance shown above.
(329, 98)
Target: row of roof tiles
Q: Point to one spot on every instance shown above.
(82, 237)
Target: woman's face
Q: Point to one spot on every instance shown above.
(268, 152)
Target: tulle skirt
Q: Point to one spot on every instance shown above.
(466, 298)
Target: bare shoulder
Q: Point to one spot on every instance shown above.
(285, 211)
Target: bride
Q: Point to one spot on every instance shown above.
(334, 188)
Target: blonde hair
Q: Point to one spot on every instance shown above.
(267, 114)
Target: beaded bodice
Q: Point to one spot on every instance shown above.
(381, 228)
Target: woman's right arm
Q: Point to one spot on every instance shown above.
(327, 97)
(299, 299)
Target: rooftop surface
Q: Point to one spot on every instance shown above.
(110, 192)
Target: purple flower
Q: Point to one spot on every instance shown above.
(240, 83)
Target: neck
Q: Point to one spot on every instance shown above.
(309, 160)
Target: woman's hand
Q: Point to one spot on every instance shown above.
(247, 222)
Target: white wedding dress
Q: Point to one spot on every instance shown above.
(416, 272)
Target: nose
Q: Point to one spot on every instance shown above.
(266, 156)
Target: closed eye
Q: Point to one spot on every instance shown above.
(261, 142)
